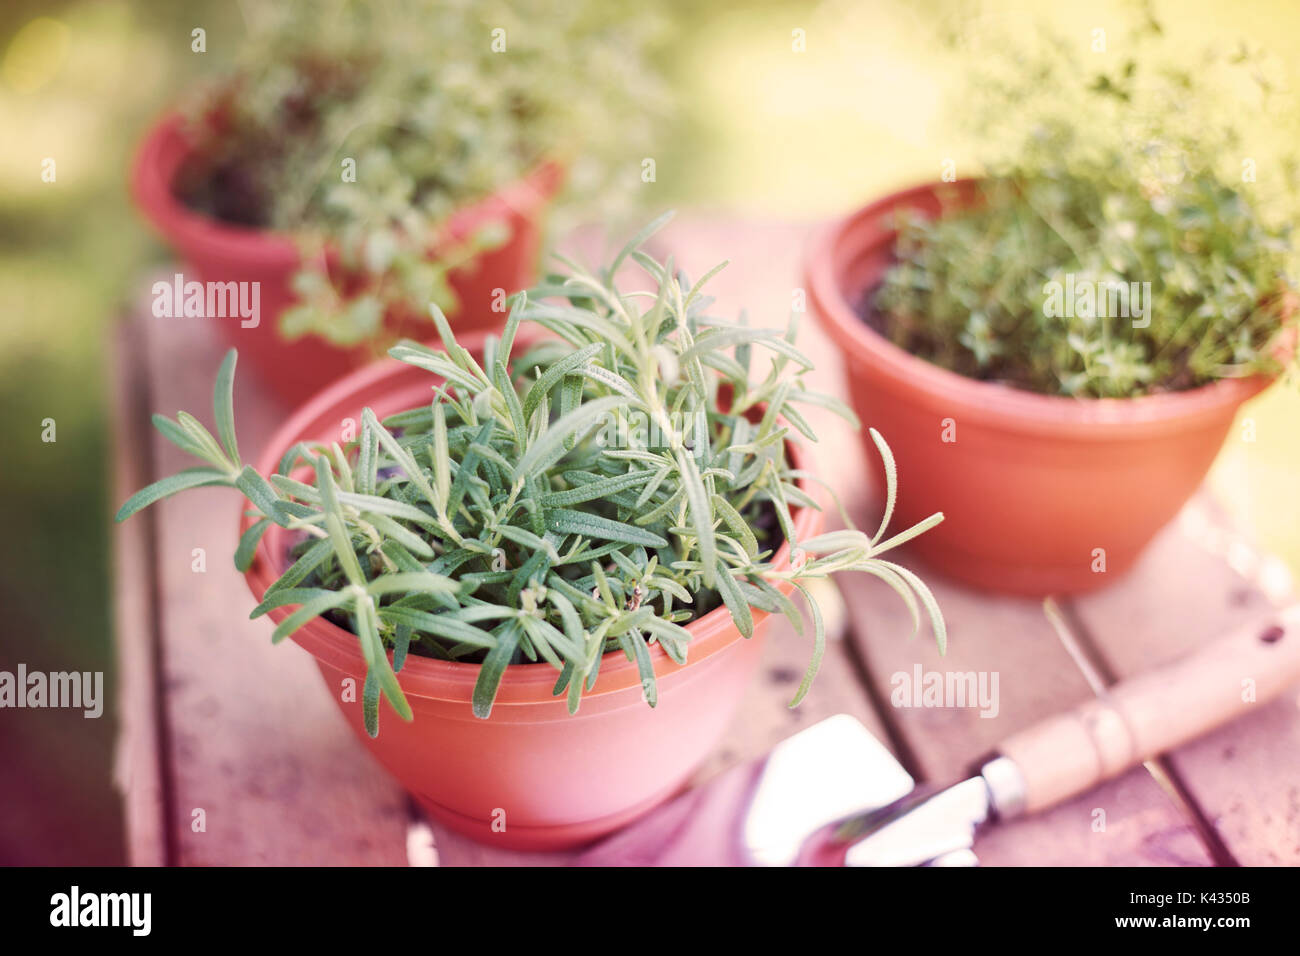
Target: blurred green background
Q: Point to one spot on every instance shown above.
(762, 131)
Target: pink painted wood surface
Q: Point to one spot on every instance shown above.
(1199, 579)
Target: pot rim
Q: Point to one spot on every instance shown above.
(165, 146)
(430, 678)
(834, 248)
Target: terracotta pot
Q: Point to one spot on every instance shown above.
(553, 779)
(1033, 484)
(214, 251)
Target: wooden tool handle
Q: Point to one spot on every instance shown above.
(1147, 715)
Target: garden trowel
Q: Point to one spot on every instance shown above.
(834, 795)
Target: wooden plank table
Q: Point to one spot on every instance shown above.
(232, 754)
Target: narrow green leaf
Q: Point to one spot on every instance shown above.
(284, 596)
(189, 478)
(564, 521)
(819, 647)
(501, 378)
(612, 380)
(891, 481)
(248, 542)
(636, 241)
(223, 406)
(518, 306)
(335, 526)
(203, 439)
(844, 539)
(377, 658)
(182, 439)
(412, 581)
(923, 592)
(728, 336)
(593, 490)
(571, 390)
(828, 402)
(636, 650)
(777, 495)
(493, 669)
(262, 495)
(441, 458)
(421, 356)
(311, 609)
(397, 533)
(440, 625)
(922, 526)
(528, 540)
(370, 703)
(900, 588)
(401, 557)
(554, 372)
(401, 646)
(735, 601)
(738, 525)
(697, 500)
(310, 560)
(550, 447)
(367, 461)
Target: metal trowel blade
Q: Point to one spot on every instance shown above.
(763, 813)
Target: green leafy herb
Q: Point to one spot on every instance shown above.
(1124, 244)
(593, 495)
(361, 127)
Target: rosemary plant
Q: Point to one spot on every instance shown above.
(589, 493)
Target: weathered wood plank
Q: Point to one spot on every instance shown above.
(1200, 578)
(254, 738)
(1126, 822)
(137, 763)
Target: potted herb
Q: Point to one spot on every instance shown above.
(366, 159)
(1058, 349)
(545, 551)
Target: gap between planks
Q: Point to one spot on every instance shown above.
(1201, 577)
(139, 770)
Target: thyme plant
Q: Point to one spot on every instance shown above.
(586, 493)
(1128, 176)
(435, 103)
